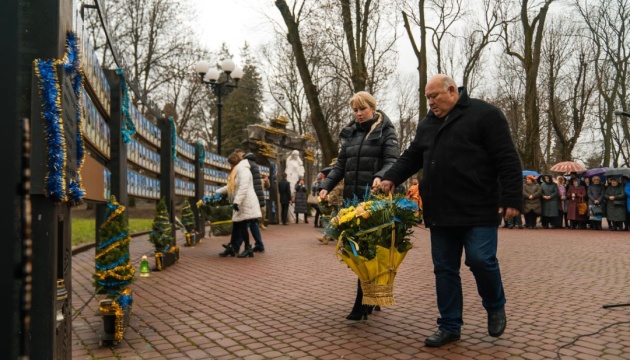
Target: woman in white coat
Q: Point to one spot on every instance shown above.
(240, 191)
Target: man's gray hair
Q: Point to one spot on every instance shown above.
(447, 82)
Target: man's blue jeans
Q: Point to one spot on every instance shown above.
(255, 229)
(480, 246)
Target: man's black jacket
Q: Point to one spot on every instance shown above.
(471, 167)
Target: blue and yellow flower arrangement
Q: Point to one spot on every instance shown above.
(373, 238)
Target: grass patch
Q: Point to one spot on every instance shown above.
(84, 230)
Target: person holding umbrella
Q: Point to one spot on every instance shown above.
(562, 209)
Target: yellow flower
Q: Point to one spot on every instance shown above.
(345, 215)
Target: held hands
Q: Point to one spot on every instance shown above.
(387, 186)
(235, 207)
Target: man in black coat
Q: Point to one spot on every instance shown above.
(284, 189)
(471, 173)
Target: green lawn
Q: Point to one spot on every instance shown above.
(83, 230)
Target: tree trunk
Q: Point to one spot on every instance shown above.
(421, 56)
(329, 150)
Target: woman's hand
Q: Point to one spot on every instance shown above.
(376, 185)
(323, 194)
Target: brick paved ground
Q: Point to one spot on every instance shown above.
(291, 302)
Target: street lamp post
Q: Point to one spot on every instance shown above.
(210, 77)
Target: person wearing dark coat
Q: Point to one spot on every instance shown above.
(549, 202)
(369, 146)
(576, 193)
(284, 190)
(595, 193)
(300, 203)
(472, 173)
(531, 201)
(615, 204)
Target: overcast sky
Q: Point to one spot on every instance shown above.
(237, 21)
(233, 22)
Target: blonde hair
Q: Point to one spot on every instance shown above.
(233, 160)
(363, 99)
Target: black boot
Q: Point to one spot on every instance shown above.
(229, 251)
(248, 252)
(359, 311)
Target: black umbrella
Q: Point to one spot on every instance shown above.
(618, 172)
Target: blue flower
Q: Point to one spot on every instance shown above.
(406, 204)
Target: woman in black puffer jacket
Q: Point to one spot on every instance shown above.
(369, 146)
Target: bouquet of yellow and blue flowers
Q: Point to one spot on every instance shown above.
(218, 210)
(373, 239)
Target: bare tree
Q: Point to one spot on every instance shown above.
(351, 48)
(477, 39)
(291, 18)
(529, 57)
(569, 87)
(406, 94)
(510, 98)
(608, 24)
(152, 37)
(419, 50)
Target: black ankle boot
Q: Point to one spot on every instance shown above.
(360, 313)
(248, 252)
(229, 251)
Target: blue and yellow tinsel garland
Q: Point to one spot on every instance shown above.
(173, 137)
(113, 269)
(117, 308)
(50, 94)
(128, 127)
(202, 154)
(72, 64)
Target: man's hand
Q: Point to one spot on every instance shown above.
(387, 186)
(509, 213)
(323, 194)
(235, 207)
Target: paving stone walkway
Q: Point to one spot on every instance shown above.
(291, 301)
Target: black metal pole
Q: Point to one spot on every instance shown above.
(219, 106)
(14, 327)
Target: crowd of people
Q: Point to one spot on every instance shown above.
(574, 203)
(471, 175)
